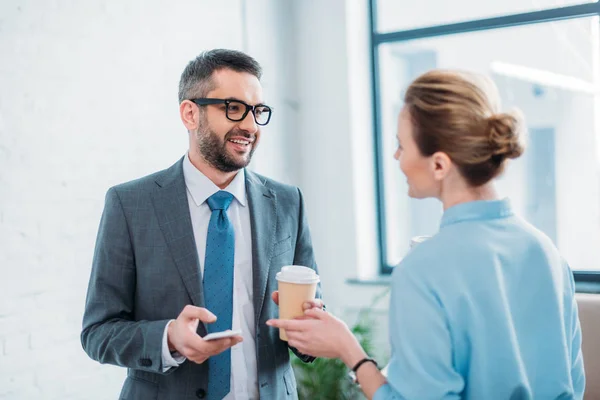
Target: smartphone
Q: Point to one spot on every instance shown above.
(223, 334)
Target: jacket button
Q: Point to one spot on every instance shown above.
(200, 393)
(145, 362)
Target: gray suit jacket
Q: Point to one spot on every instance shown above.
(146, 270)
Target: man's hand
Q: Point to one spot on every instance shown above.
(316, 303)
(182, 336)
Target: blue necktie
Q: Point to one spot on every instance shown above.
(218, 288)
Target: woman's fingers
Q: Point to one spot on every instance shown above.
(294, 335)
(315, 313)
(287, 324)
(316, 303)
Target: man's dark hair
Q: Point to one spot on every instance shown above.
(196, 77)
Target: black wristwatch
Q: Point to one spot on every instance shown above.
(352, 373)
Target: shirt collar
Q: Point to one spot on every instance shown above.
(201, 188)
(477, 210)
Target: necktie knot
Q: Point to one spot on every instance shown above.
(220, 200)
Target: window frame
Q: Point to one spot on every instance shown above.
(504, 21)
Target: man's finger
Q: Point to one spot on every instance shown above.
(195, 343)
(231, 341)
(275, 297)
(193, 312)
(198, 360)
(222, 345)
(218, 345)
(226, 342)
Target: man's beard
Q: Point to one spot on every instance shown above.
(214, 150)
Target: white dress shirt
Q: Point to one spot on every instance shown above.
(244, 377)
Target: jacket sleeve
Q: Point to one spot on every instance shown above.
(110, 334)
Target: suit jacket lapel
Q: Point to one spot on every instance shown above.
(263, 219)
(173, 213)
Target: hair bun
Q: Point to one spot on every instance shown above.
(504, 133)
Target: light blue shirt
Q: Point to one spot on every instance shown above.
(485, 309)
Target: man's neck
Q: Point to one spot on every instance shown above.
(219, 178)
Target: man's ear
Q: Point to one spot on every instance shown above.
(190, 115)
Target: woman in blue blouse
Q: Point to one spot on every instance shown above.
(485, 309)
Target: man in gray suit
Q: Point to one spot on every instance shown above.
(194, 249)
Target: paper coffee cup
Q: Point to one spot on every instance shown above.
(297, 285)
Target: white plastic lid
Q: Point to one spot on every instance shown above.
(297, 274)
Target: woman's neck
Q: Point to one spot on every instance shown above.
(457, 194)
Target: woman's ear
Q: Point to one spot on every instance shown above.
(441, 165)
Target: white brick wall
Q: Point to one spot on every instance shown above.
(88, 99)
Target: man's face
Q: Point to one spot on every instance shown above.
(227, 145)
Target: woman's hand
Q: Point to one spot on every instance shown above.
(320, 334)
(316, 303)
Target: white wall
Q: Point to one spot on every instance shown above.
(323, 130)
(335, 127)
(88, 99)
(270, 38)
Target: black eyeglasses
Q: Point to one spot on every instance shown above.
(236, 110)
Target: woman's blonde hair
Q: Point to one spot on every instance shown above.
(456, 113)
